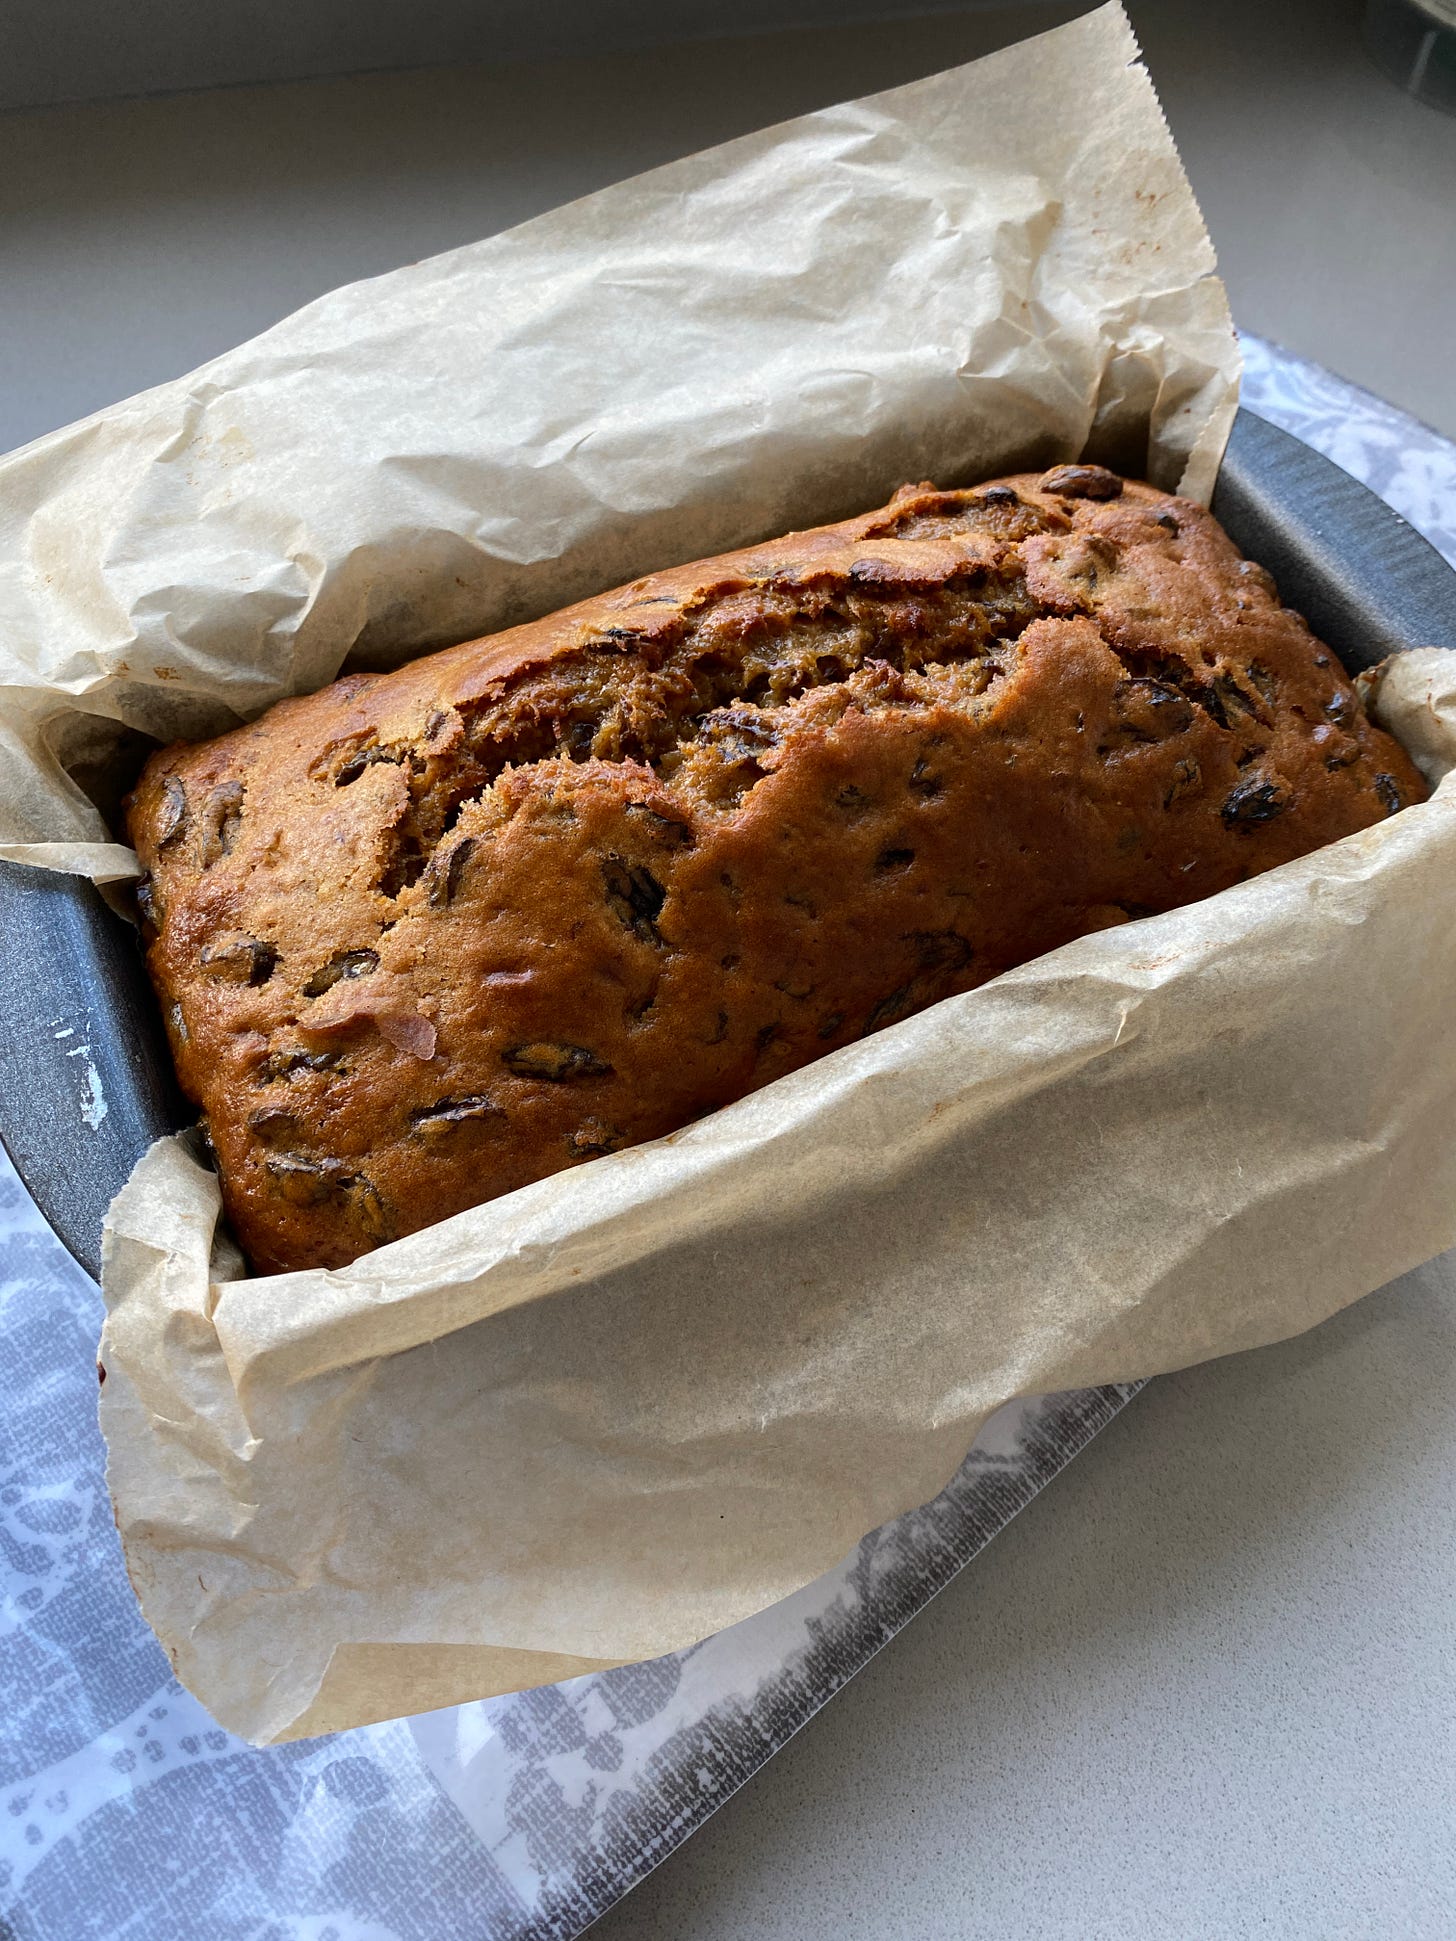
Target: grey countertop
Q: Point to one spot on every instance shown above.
(1204, 1686)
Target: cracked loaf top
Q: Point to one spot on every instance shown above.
(424, 937)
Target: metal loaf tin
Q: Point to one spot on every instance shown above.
(81, 1029)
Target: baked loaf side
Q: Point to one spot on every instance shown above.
(424, 937)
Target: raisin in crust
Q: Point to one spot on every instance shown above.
(424, 937)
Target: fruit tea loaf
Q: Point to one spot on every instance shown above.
(423, 937)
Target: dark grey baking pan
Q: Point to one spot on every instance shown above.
(85, 1078)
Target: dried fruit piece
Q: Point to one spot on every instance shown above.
(472, 1105)
(1187, 780)
(940, 951)
(1232, 703)
(286, 1064)
(1081, 482)
(369, 1209)
(303, 1181)
(445, 876)
(1262, 681)
(891, 1009)
(362, 758)
(1388, 789)
(344, 963)
(740, 733)
(1150, 710)
(666, 828)
(594, 1137)
(173, 811)
(923, 781)
(1258, 798)
(1088, 557)
(240, 960)
(446, 1116)
(556, 1063)
(222, 819)
(636, 897)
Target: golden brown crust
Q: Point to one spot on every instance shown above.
(424, 937)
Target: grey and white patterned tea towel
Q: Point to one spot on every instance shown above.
(127, 1815)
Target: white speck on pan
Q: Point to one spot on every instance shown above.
(93, 1099)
